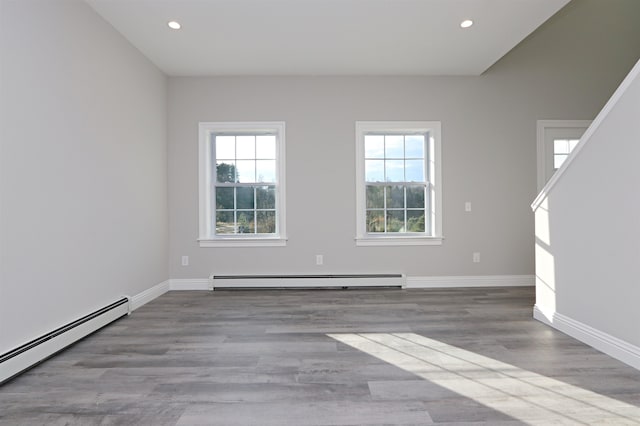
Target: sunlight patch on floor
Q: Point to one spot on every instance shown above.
(523, 395)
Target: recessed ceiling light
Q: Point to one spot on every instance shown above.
(174, 25)
(466, 23)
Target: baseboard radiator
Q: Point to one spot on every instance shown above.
(34, 352)
(344, 281)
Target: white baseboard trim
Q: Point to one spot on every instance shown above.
(471, 281)
(189, 284)
(31, 353)
(610, 345)
(34, 352)
(148, 295)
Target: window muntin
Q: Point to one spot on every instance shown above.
(546, 132)
(401, 159)
(398, 178)
(397, 208)
(245, 186)
(561, 150)
(242, 184)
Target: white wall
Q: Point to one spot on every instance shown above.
(588, 229)
(566, 70)
(83, 167)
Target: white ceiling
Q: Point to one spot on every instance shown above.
(325, 37)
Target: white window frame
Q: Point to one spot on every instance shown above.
(542, 128)
(207, 167)
(432, 236)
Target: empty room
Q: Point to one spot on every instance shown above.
(319, 212)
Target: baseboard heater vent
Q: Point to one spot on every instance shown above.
(34, 352)
(305, 281)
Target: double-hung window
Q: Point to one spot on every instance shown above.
(398, 195)
(242, 184)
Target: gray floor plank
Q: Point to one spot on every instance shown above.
(355, 357)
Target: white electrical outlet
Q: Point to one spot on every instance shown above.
(476, 257)
(185, 260)
(319, 259)
(467, 206)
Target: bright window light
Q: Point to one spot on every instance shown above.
(525, 396)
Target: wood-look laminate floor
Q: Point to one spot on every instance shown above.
(325, 357)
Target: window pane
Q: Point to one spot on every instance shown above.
(415, 221)
(224, 223)
(375, 221)
(558, 160)
(394, 146)
(244, 197)
(246, 171)
(560, 146)
(225, 147)
(224, 199)
(266, 147)
(374, 170)
(375, 197)
(414, 170)
(245, 147)
(374, 146)
(394, 170)
(266, 171)
(226, 172)
(266, 197)
(395, 221)
(245, 222)
(414, 146)
(395, 197)
(266, 222)
(572, 144)
(415, 197)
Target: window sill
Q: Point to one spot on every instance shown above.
(398, 241)
(243, 242)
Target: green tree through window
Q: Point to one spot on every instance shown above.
(244, 203)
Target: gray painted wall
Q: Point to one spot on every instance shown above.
(83, 168)
(565, 70)
(83, 160)
(588, 229)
